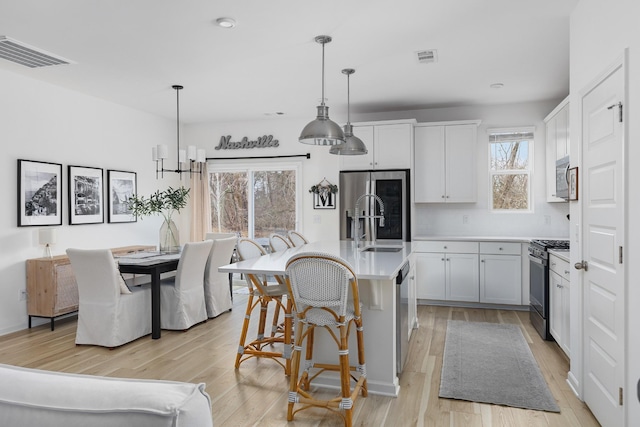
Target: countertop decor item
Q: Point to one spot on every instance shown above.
(322, 131)
(164, 203)
(195, 157)
(353, 146)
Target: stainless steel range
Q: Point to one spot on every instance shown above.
(539, 283)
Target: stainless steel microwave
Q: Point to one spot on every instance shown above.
(562, 178)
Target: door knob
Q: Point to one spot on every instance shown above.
(582, 265)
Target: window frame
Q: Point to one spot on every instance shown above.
(250, 166)
(529, 171)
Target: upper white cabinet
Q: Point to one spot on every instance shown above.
(445, 162)
(389, 145)
(558, 142)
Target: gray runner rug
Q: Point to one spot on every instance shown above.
(492, 363)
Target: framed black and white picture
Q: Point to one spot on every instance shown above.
(120, 186)
(573, 184)
(39, 193)
(85, 195)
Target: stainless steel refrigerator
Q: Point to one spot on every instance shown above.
(392, 186)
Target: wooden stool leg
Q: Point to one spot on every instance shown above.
(245, 329)
(288, 324)
(345, 374)
(295, 369)
(264, 304)
(361, 358)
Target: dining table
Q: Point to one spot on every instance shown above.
(154, 264)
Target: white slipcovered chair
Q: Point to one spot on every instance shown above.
(217, 294)
(182, 297)
(106, 316)
(296, 238)
(278, 242)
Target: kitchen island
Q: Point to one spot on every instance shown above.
(376, 273)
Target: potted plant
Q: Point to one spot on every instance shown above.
(164, 203)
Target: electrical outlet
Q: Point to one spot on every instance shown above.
(465, 219)
(547, 219)
(23, 294)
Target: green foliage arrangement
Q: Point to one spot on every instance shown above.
(330, 188)
(164, 203)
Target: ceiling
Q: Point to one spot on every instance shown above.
(132, 52)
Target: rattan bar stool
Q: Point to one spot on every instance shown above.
(321, 285)
(279, 242)
(297, 239)
(262, 293)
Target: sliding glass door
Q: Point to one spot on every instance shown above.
(254, 200)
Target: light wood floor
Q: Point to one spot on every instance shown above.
(256, 394)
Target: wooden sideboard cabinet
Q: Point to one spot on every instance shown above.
(52, 290)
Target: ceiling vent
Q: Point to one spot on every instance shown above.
(427, 56)
(29, 56)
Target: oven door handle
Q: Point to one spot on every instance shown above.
(537, 260)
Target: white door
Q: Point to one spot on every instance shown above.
(431, 276)
(603, 240)
(461, 178)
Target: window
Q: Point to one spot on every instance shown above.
(254, 200)
(510, 154)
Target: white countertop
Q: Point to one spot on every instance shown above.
(367, 265)
(487, 238)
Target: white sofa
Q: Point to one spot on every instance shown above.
(30, 397)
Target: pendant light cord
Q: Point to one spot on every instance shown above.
(323, 43)
(178, 123)
(348, 100)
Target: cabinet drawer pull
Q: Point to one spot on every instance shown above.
(566, 272)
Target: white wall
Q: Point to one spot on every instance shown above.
(48, 123)
(42, 122)
(315, 224)
(600, 31)
(545, 220)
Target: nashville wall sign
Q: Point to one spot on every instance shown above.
(261, 142)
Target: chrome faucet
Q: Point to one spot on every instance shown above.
(356, 227)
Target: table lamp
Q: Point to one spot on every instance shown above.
(47, 237)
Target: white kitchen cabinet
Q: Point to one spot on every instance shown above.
(388, 144)
(445, 162)
(447, 271)
(557, 144)
(500, 273)
(559, 289)
(413, 302)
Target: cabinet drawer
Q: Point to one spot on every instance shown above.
(500, 248)
(445, 246)
(559, 266)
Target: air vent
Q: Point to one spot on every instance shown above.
(427, 56)
(29, 56)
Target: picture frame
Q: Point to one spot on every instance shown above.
(573, 183)
(86, 195)
(39, 193)
(120, 186)
(324, 195)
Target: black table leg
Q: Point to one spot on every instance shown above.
(155, 306)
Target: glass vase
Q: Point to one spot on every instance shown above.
(169, 237)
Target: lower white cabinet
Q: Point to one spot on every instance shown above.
(500, 273)
(447, 270)
(484, 272)
(559, 288)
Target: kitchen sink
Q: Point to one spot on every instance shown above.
(382, 249)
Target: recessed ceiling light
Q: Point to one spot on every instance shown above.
(226, 22)
(496, 85)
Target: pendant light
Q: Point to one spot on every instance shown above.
(353, 145)
(192, 155)
(322, 131)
